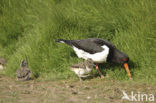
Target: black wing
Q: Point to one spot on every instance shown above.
(91, 45)
(102, 42)
(87, 45)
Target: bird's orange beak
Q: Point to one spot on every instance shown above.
(127, 69)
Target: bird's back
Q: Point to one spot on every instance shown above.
(79, 65)
(23, 73)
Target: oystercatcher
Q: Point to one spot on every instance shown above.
(83, 69)
(23, 73)
(99, 50)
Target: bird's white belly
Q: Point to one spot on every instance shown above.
(99, 57)
(81, 72)
(1, 67)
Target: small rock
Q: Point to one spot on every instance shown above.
(10, 87)
(71, 86)
(110, 97)
(86, 87)
(117, 90)
(26, 92)
(74, 92)
(88, 97)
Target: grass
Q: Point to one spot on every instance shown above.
(29, 28)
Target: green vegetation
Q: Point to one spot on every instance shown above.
(29, 28)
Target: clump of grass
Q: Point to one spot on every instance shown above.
(28, 29)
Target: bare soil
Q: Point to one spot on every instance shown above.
(69, 91)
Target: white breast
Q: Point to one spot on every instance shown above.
(1, 67)
(99, 57)
(81, 72)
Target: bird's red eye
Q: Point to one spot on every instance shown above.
(124, 59)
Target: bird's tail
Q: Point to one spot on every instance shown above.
(64, 41)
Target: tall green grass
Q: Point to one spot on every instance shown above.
(29, 28)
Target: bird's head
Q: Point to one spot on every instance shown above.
(24, 63)
(89, 62)
(121, 58)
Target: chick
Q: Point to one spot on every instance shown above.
(83, 69)
(23, 73)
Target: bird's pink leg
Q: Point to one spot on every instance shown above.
(97, 68)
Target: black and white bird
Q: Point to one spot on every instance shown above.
(99, 50)
(83, 69)
(23, 73)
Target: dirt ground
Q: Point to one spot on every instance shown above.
(70, 91)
